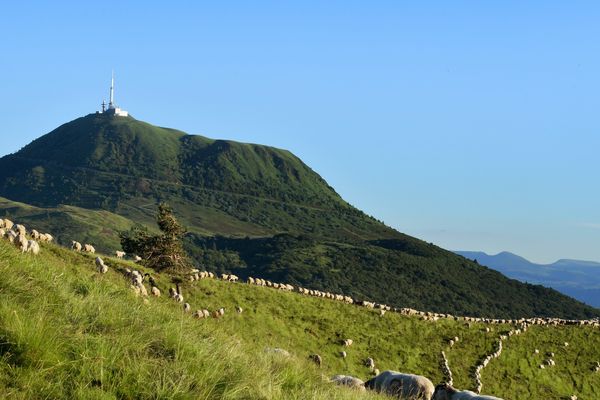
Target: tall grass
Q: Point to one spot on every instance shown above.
(69, 332)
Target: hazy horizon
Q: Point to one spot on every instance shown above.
(472, 126)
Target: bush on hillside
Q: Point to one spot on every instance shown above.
(162, 252)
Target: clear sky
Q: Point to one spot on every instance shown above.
(470, 124)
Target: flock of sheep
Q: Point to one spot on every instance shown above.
(25, 241)
(399, 385)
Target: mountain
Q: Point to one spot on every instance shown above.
(252, 209)
(579, 279)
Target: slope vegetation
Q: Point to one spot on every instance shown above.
(253, 209)
(69, 332)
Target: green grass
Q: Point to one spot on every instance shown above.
(68, 332)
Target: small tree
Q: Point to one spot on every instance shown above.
(160, 252)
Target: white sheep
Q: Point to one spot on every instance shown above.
(8, 224)
(137, 258)
(35, 234)
(316, 359)
(404, 386)
(21, 230)
(155, 291)
(120, 254)
(187, 307)
(348, 342)
(370, 363)
(76, 246)
(446, 392)
(46, 237)
(102, 268)
(348, 381)
(21, 242)
(239, 309)
(33, 247)
(88, 248)
(278, 351)
(11, 236)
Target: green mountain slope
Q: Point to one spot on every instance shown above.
(252, 209)
(68, 332)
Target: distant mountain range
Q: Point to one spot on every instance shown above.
(249, 209)
(579, 279)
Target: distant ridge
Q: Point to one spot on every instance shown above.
(251, 209)
(576, 278)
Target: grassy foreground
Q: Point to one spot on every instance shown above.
(69, 332)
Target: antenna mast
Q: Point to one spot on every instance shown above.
(112, 91)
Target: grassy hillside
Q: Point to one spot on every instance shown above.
(68, 332)
(69, 223)
(253, 209)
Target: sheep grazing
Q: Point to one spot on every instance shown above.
(46, 237)
(178, 297)
(343, 354)
(88, 248)
(155, 291)
(401, 386)
(348, 381)
(370, 363)
(444, 391)
(21, 243)
(550, 362)
(33, 247)
(20, 229)
(316, 359)
(35, 234)
(8, 224)
(277, 350)
(137, 258)
(187, 307)
(102, 268)
(76, 246)
(239, 309)
(11, 236)
(120, 254)
(347, 342)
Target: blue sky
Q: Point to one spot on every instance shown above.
(473, 125)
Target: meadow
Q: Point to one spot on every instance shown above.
(67, 331)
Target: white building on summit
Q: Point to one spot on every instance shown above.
(112, 108)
